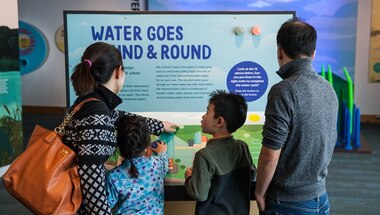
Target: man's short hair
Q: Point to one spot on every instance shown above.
(297, 38)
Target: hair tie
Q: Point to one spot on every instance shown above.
(89, 62)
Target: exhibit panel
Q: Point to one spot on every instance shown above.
(173, 61)
(11, 138)
(374, 60)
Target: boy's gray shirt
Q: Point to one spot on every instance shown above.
(301, 120)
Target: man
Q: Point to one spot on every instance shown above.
(299, 133)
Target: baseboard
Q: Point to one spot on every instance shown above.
(44, 109)
(370, 118)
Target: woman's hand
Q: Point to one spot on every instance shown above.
(169, 126)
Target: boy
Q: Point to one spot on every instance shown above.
(220, 178)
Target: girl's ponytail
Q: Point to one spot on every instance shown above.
(132, 138)
(133, 170)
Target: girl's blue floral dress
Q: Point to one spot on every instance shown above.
(142, 195)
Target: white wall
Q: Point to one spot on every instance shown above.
(367, 95)
(46, 86)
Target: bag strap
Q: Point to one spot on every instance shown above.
(61, 128)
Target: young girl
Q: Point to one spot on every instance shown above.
(136, 186)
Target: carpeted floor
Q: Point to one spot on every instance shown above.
(353, 182)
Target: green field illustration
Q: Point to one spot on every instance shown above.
(185, 142)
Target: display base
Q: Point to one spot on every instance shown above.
(178, 192)
(364, 147)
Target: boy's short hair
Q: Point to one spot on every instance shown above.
(297, 38)
(231, 106)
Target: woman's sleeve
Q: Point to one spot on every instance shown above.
(96, 141)
(156, 126)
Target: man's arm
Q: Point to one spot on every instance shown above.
(267, 164)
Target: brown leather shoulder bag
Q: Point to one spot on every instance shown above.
(45, 177)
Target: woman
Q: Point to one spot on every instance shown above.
(91, 132)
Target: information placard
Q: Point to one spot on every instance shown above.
(174, 60)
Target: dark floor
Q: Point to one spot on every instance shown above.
(353, 182)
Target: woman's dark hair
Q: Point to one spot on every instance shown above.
(133, 138)
(231, 106)
(297, 38)
(97, 64)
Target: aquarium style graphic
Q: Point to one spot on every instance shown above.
(11, 138)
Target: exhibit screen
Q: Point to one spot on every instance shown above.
(174, 61)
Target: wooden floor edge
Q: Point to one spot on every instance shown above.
(44, 109)
(370, 118)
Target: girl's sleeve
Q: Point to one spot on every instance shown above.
(112, 194)
(164, 161)
(156, 126)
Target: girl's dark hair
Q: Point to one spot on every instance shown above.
(133, 138)
(97, 64)
(231, 106)
(297, 38)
